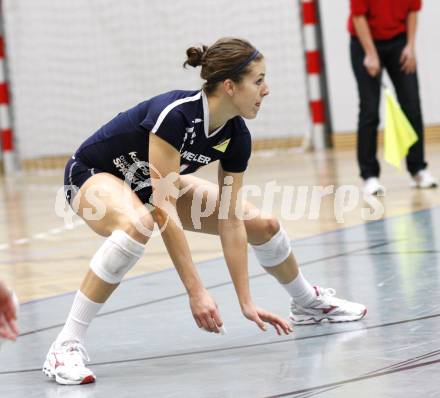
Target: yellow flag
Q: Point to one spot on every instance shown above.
(399, 134)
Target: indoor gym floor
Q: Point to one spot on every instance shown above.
(145, 343)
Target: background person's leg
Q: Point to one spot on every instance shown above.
(368, 119)
(407, 90)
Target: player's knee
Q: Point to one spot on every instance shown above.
(276, 249)
(272, 226)
(138, 228)
(267, 228)
(141, 228)
(117, 255)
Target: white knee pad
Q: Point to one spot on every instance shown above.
(275, 251)
(116, 257)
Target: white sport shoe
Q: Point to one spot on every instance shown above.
(424, 179)
(65, 363)
(372, 186)
(326, 306)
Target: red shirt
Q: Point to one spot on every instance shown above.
(386, 18)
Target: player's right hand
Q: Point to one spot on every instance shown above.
(205, 311)
(372, 64)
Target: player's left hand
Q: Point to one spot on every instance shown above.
(408, 60)
(260, 316)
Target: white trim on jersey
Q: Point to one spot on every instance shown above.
(206, 117)
(169, 107)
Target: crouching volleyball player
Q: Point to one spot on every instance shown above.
(175, 134)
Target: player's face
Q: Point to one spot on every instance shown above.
(251, 91)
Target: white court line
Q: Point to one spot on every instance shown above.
(270, 153)
(55, 231)
(21, 241)
(39, 236)
(43, 235)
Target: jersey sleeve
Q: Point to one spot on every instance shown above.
(416, 5)
(358, 7)
(238, 155)
(170, 127)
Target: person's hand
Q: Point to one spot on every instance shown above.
(205, 311)
(259, 316)
(372, 64)
(8, 315)
(408, 60)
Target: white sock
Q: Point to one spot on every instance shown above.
(300, 290)
(82, 313)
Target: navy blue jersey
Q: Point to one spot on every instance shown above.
(179, 117)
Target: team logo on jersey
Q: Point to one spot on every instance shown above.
(222, 146)
(197, 120)
(189, 133)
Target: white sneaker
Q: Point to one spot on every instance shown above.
(326, 306)
(424, 179)
(65, 363)
(372, 186)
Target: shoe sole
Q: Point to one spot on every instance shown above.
(305, 320)
(378, 192)
(87, 380)
(50, 373)
(418, 186)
